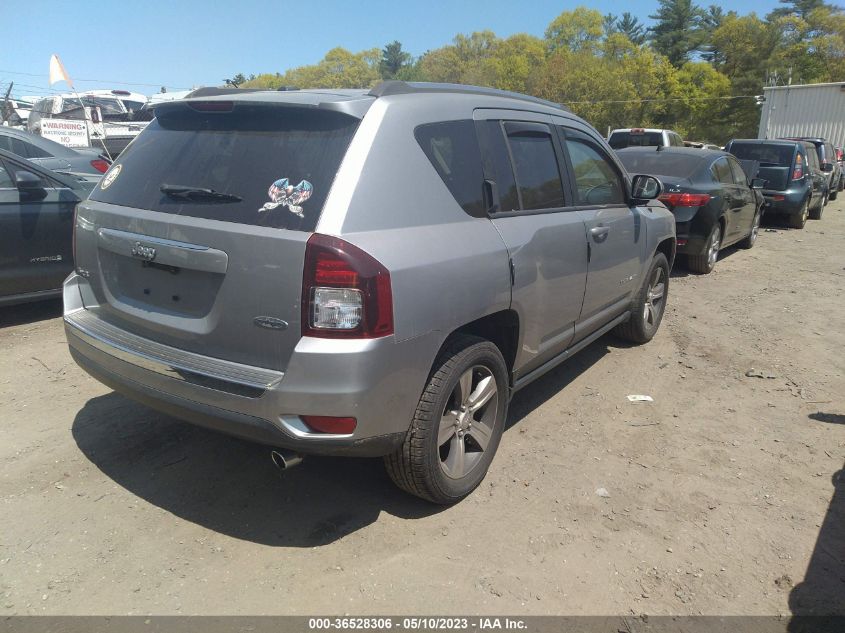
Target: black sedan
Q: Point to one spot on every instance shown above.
(36, 228)
(708, 193)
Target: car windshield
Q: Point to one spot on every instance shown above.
(660, 163)
(281, 161)
(768, 155)
(620, 140)
(106, 105)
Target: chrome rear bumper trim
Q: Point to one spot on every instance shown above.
(163, 359)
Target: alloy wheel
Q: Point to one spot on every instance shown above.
(713, 246)
(755, 228)
(467, 422)
(654, 297)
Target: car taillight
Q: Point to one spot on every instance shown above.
(100, 165)
(685, 199)
(798, 172)
(346, 293)
(95, 115)
(329, 424)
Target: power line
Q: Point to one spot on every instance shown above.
(105, 81)
(662, 99)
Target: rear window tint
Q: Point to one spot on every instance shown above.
(660, 163)
(773, 155)
(281, 161)
(452, 148)
(620, 140)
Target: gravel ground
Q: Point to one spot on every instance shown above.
(720, 495)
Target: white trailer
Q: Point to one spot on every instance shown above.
(815, 110)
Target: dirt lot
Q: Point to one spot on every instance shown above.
(721, 491)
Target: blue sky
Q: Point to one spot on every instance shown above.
(186, 43)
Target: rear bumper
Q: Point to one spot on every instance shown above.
(377, 381)
(790, 204)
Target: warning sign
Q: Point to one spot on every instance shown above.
(65, 131)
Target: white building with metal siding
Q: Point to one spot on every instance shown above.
(816, 110)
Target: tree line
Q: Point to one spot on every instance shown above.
(696, 70)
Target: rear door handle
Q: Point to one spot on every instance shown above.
(599, 233)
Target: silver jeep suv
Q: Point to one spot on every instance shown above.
(362, 273)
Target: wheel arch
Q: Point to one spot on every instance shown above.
(500, 328)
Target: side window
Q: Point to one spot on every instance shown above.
(14, 145)
(812, 158)
(500, 165)
(722, 171)
(14, 168)
(738, 172)
(596, 180)
(535, 164)
(33, 151)
(5, 179)
(452, 148)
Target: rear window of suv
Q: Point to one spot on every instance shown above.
(281, 161)
(620, 140)
(768, 155)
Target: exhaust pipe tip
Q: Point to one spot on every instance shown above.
(285, 460)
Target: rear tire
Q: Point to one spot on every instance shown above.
(816, 214)
(749, 241)
(704, 264)
(798, 220)
(457, 424)
(649, 304)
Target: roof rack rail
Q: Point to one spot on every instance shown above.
(396, 87)
(286, 88)
(216, 92)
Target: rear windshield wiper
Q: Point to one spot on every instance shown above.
(198, 193)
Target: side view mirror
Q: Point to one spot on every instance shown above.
(758, 183)
(645, 187)
(827, 167)
(27, 181)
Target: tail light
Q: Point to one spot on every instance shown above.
(100, 165)
(95, 115)
(685, 199)
(346, 293)
(798, 172)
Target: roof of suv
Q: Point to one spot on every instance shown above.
(356, 101)
(766, 141)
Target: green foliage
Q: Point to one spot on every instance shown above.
(393, 60)
(632, 28)
(678, 30)
(576, 30)
(697, 72)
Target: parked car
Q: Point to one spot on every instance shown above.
(36, 222)
(710, 196)
(86, 162)
(261, 264)
(644, 137)
(794, 184)
(840, 158)
(829, 165)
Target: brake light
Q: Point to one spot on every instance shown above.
(346, 293)
(95, 115)
(212, 106)
(100, 165)
(798, 172)
(328, 424)
(685, 199)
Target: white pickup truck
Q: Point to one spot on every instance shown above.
(97, 118)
